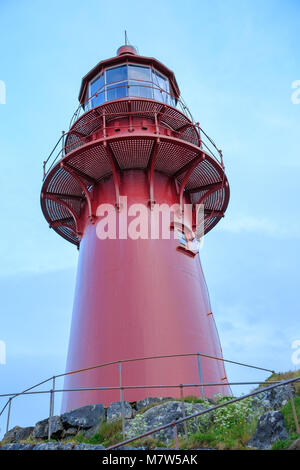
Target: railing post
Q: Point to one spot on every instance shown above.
(122, 400)
(8, 415)
(62, 144)
(175, 434)
(52, 391)
(104, 124)
(294, 412)
(156, 122)
(183, 411)
(200, 372)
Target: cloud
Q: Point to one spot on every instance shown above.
(248, 336)
(251, 224)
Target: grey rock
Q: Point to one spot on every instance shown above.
(24, 433)
(274, 399)
(16, 446)
(83, 446)
(40, 430)
(67, 446)
(270, 428)
(17, 434)
(10, 436)
(150, 401)
(79, 446)
(47, 446)
(164, 414)
(84, 417)
(295, 445)
(114, 411)
(131, 448)
(70, 432)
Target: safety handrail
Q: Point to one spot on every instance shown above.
(31, 390)
(200, 413)
(153, 86)
(123, 361)
(201, 138)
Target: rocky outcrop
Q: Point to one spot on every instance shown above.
(62, 446)
(150, 413)
(150, 401)
(114, 411)
(17, 434)
(15, 446)
(88, 447)
(84, 417)
(270, 429)
(163, 414)
(40, 431)
(274, 399)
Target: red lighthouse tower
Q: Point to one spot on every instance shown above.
(133, 140)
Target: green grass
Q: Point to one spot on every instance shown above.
(280, 445)
(285, 376)
(111, 433)
(230, 427)
(289, 417)
(289, 424)
(233, 438)
(108, 434)
(193, 399)
(148, 442)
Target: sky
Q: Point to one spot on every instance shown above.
(235, 63)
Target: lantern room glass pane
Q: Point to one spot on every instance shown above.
(116, 91)
(97, 84)
(97, 95)
(98, 99)
(160, 95)
(160, 81)
(117, 74)
(139, 73)
(140, 89)
(161, 88)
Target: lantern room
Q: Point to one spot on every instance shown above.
(128, 75)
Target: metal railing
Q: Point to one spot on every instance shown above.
(124, 91)
(183, 420)
(122, 388)
(196, 135)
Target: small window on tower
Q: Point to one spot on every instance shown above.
(161, 87)
(139, 73)
(117, 74)
(97, 91)
(140, 89)
(116, 91)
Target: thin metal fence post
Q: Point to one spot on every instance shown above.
(8, 414)
(175, 435)
(294, 412)
(200, 372)
(51, 407)
(122, 400)
(183, 411)
(62, 144)
(51, 412)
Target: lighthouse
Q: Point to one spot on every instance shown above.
(132, 152)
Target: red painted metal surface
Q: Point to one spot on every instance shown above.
(135, 298)
(144, 297)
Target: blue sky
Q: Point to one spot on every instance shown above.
(235, 63)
